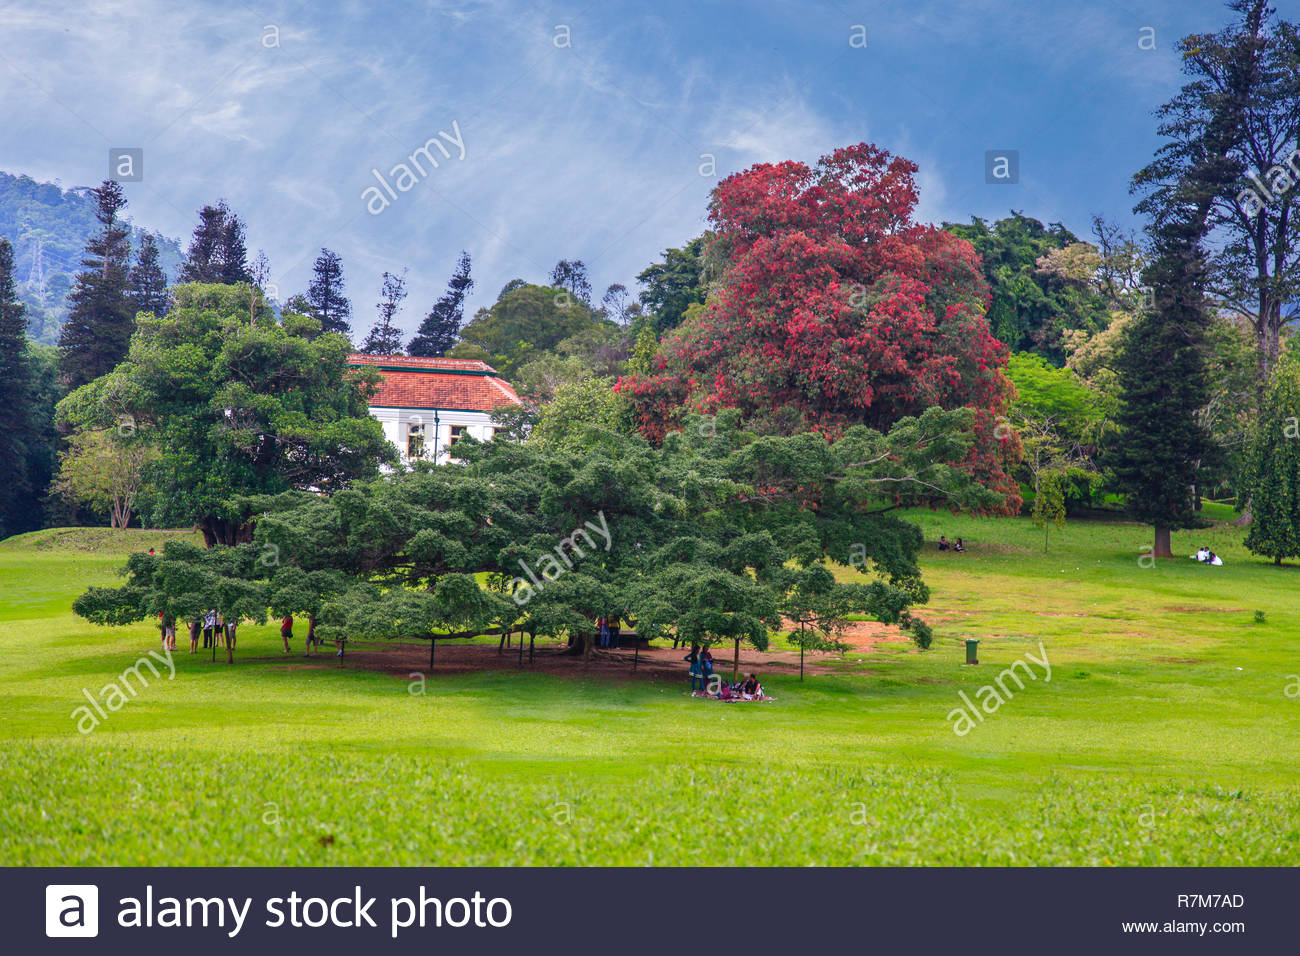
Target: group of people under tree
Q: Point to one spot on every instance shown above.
(215, 629)
(704, 683)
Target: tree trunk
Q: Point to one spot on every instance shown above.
(432, 644)
(1162, 548)
(735, 661)
(222, 531)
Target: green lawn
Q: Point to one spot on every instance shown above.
(1165, 736)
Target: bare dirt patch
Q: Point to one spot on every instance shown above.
(652, 663)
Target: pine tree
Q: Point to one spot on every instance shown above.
(385, 338)
(16, 506)
(325, 294)
(217, 250)
(100, 318)
(440, 328)
(148, 281)
(1161, 371)
(1273, 468)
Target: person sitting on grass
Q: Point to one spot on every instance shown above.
(751, 687)
(959, 546)
(943, 543)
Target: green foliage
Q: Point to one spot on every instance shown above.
(237, 407)
(1035, 301)
(1161, 439)
(561, 423)
(1272, 479)
(707, 538)
(524, 322)
(1049, 501)
(50, 228)
(105, 469)
(674, 284)
(15, 403)
(438, 331)
(98, 329)
(1053, 394)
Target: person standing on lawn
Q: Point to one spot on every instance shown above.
(286, 631)
(693, 659)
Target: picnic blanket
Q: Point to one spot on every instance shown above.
(734, 699)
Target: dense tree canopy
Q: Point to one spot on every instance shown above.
(1272, 482)
(1036, 297)
(526, 321)
(674, 284)
(832, 308)
(703, 538)
(237, 408)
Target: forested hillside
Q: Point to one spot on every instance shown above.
(49, 228)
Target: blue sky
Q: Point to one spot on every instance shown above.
(585, 124)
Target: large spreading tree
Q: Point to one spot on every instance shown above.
(833, 308)
(236, 408)
(706, 539)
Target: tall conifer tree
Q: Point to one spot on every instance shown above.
(441, 327)
(325, 294)
(148, 281)
(217, 250)
(16, 506)
(100, 318)
(385, 338)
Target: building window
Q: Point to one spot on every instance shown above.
(414, 442)
(457, 433)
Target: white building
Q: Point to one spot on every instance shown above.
(427, 404)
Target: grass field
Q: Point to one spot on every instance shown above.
(1166, 734)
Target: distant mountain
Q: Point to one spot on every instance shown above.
(48, 227)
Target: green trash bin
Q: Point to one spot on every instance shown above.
(972, 649)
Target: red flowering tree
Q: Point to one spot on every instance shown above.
(834, 307)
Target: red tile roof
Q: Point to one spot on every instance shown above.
(437, 383)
